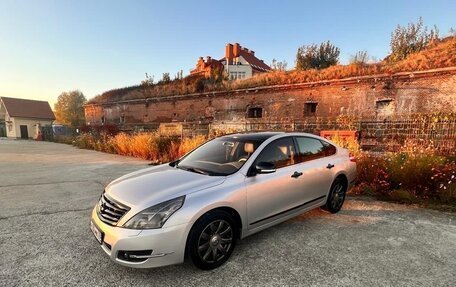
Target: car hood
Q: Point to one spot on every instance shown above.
(151, 186)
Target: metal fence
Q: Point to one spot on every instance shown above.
(437, 132)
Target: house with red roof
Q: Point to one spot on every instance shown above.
(21, 118)
(238, 63)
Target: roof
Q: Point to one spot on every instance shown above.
(28, 108)
(256, 63)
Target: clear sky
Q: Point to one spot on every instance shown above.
(50, 46)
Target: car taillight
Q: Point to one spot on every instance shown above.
(352, 157)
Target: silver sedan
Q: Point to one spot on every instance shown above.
(231, 187)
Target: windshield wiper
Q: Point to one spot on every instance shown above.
(192, 169)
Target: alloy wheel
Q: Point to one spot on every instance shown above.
(337, 196)
(215, 241)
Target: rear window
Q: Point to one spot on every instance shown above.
(309, 149)
(329, 148)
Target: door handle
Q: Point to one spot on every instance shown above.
(296, 174)
(329, 166)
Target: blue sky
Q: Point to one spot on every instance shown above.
(49, 46)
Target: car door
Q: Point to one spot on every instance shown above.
(316, 161)
(270, 195)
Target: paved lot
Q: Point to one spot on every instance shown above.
(47, 191)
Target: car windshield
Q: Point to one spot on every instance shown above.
(221, 156)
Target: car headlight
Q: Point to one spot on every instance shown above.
(155, 216)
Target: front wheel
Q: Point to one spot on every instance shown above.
(336, 196)
(212, 240)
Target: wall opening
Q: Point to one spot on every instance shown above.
(255, 113)
(310, 108)
(384, 107)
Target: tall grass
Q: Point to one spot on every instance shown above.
(147, 146)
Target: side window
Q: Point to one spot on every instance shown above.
(329, 148)
(309, 149)
(280, 152)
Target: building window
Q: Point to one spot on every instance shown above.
(122, 119)
(103, 119)
(310, 109)
(255, 113)
(237, 75)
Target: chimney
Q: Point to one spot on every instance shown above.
(229, 53)
(236, 50)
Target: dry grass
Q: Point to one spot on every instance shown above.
(148, 146)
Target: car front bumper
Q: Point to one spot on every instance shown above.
(167, 243)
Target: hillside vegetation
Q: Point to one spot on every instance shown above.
(437, 54)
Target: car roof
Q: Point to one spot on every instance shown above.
(257, 136)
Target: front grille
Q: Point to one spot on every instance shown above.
(110, 211)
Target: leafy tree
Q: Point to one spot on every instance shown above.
(317, 56)
(279, 65)
(69, 109)
(410, 39)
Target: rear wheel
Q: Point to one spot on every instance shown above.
(212, 240)
(336, 196)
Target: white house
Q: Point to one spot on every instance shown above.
(239, 63)
(21, 118)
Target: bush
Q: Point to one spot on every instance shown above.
(360, 58)
(317, 56)
(411, 39)
(422, 176)
(147, 146)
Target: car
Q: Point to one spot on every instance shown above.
(228, 188)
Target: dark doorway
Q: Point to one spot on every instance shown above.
(24, 132)
(254, 113)
(310, 109)
(2, 130)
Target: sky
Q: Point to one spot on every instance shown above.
(49, 46)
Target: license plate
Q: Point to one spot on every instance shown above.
(98, 234)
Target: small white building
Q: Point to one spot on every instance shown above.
(241, 63)
(238, 63)
(21, 118)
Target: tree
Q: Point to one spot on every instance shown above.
(317, 56)
(279, 65)
(69, 109)
(410, 39)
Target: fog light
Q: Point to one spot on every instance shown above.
(134, 256)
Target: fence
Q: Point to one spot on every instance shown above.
(424, 131)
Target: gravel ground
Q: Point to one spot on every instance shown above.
(47, 191)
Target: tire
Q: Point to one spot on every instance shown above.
(336, 196)
(212, 239)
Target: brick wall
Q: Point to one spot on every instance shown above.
(365, 97)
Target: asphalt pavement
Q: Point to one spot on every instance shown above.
(47, 191)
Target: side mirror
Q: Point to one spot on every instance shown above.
(265, 167)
